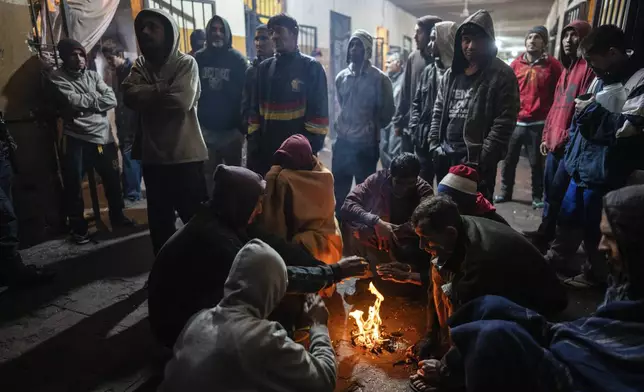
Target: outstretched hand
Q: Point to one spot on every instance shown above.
(354, 267)
(395, 272)
(315, 310)
(385, 234)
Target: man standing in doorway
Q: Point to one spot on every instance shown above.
(290, 98)
(265, 49)
(441, 48)
(126, 122)
(416, 63)
(476, 105)
(366, 105)
(537, 74)
(84, 100)
(574, 81)
(197, 41)
(389, 141)
(222, 71)
(163, 87)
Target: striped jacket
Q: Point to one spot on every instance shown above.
(290, 97)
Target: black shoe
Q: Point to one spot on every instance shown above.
(81, 239)
(123, 222)
(502, 198)
(26, 276)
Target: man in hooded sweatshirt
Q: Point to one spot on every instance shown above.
(605, 147)
(235, 347)
(366, 106)
(537, 73)
(222, 71)
(163, 88)
(441, 48)
(290, 97)
(87, 144)
(476, 106)
(501, 346)
(189, 273)
(197, 41)
(416, 63)
(574, 81)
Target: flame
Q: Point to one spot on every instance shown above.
(368, 334)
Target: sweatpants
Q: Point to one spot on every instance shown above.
(176, 187)
(530, 137)
(78, 156)
(351, 160)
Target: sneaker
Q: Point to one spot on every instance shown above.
(537, 203)
(80, 239)
(502, 198)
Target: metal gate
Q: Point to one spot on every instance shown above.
(258, 12)
(190, 15)
(307, 40)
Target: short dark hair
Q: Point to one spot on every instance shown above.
(405, 165)
(602, 38)
(435, 214)
(285, 21)
(111, 47)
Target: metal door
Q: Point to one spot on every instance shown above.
(190, 15)
(340, 34)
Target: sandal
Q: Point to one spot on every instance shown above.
(417, 384)
(580, 282)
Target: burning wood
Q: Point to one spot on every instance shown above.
(370, 332)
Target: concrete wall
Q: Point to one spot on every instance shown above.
(365, 14)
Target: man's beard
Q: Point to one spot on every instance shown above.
(218, 44)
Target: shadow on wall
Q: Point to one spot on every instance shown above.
(36, 187)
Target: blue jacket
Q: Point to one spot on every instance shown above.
(595, 156)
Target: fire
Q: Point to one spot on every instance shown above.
(369, 334)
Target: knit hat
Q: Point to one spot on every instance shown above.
(462, 179)
(541, 30)
(367, 42)
(67, 45)
(295, 154)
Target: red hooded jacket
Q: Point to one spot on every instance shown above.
(537, 83)
(573, 82)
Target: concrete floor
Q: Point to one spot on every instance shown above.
(88, 331)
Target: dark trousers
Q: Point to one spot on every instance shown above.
(131, 174)
(555, 183)
(406, 142)
(78, 156)
(426, 165)
(8, 220)
(229, 154)
(579, 218)
(351, 160)
(530, 137)
(176, 187)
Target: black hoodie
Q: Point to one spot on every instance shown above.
(222, 72)
(190, 270)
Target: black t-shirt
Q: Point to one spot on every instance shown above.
(458, 107)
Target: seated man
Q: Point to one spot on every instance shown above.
(299, 205)
(475, 257)
(233, 347)
(191, 268)
(501, 346)
(377, 214)
(460, 184)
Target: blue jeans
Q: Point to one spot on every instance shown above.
(555, 183)
(579, 218)
(351, 160)
(131, 174)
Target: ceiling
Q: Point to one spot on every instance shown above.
(512, 18)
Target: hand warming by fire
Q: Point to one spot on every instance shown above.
(368, 334)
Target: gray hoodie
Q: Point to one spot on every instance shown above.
(365, 96)
(85, 99)
(233, 347)
(165, 96)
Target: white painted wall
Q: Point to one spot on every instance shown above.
(233, 12)
(365, 14)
